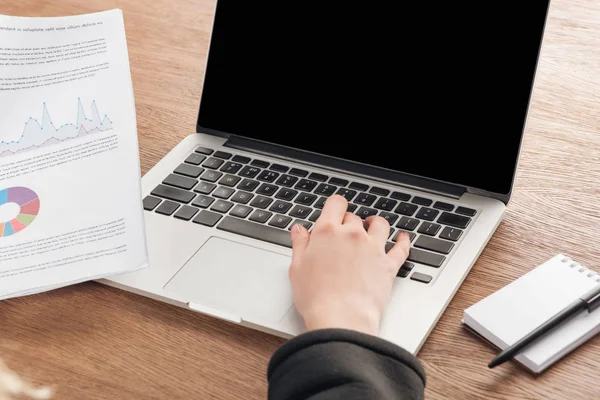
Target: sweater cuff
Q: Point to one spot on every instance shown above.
(372, 343)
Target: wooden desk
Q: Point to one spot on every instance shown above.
(97, 343)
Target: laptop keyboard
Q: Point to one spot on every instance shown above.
(263, 200)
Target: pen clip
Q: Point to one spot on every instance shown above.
(592, 301)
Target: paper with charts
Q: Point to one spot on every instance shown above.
(70, 196)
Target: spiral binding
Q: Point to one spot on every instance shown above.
(580, 268)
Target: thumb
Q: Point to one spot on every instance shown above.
(300, 238)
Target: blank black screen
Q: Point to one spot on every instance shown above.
(436, 89)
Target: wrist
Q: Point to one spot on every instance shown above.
(360, 320)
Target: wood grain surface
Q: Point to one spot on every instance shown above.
(96, 342)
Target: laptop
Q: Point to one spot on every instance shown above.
(417, 117)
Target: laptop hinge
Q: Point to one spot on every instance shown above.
(347, 167)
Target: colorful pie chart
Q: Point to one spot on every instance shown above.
(29, 205)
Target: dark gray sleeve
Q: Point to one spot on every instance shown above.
(342, 364)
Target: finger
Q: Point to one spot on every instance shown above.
(334, 210)
(352, 219)
(300, 237)
(401, 249)
(378, 228)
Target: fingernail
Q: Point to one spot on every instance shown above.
(297, 228)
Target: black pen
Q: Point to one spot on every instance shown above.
(589, 301)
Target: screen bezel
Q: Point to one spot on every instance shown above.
(386, 174)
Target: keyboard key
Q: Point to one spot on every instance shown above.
(455, 220)
(203, 201)
(440, 205)
(150, 203)
(386, 204)
(306, 185)
(167, 207)
(318, 177)
(254, 231)
(222, 206)
(287, 180)
(420, 277)
(279, 168)
(465, 211)
(379, 191)
(280, 221)
(300, 212)
(267, 189)
(338, 181)
(223, 192)
(389, 217)
(433, 244)
(388, 246)
(261, 202)
(203, 150)
(408, 224)
(281, 206)
(451, 233)
(267, 176)
(298, 172)
(429, 228)
(352, 207)
(315, 215)
(180, 181)
(242, 197)
(223, 155)
(411, 235)
(249, 172)
(400, 196)
(422, 201)
(408, 265)
(260, 216)
(428, 214)
(241, 159)
(207, 218)
(205, 187)
(305, 198)
(406, 209)
(365, 199)
(188, 170)
(325, 190)
(365, 212)
(240, 211)
(229, 180)
(347, 193)
(248, 184)
(359, 186)
(426, 258)
(211, 176)
(186, 213)
(305, 224)
(403, 273)
(195, 159)
(231, 167)
(405, 269)
(213, 163)
(259, 163)
(286, 194)
(320, 203)
(172, 193)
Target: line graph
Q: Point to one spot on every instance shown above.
(40, 134)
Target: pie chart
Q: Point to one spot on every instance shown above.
(28, 203)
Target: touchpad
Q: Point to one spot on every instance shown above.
(237, 279)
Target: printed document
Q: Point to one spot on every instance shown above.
(70, 197)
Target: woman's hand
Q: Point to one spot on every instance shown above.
(340, 273)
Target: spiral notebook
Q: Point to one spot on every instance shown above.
(507, 315)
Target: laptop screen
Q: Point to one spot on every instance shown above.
(438, 90)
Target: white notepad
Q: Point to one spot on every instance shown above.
(518, 308)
